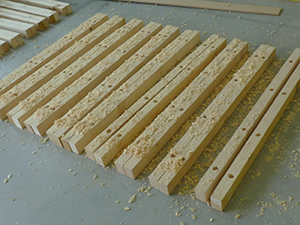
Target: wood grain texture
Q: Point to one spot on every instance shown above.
(12, 38)
(25, 29)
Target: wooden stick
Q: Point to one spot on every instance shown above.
(3, 47)
(23, 89)
(49, 53)
(111, 83)
(121, 99)
(12, 38)
(62, 8)
(231, 7)
(52, 16)
(214, 174)
(70, 96)
(40, 22)
(25, 29)
(238, 169)
(181, 158)
(138, 154)
(157, 98)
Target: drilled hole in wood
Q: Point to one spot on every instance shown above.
(205, 72)
(136, 54)
(102, 84)
(119, 135)
(64, 71)
(243, 129)
(186, 40)
(35, 63)
(204, 117)
(15, 94)
(47, 106)
(235, 79)
(182, 158)
(215, 168)
(146, 98)
(46, 66)
(204, 44)
(263, 57)
(165, 36)
(124, 51)
(51, 68)
(173, 106)
(283, 93)
(181, 109)
(155, 101)
(89, 79)
(108, 131)
(189, 68)
(179, 39)
(92, 124)
(271, 89)
(109, 86)
(234, 51)
(227, 50)
(173, 155)
(105, 46)
(230, 175)
(53, 108)
(212, 46)
(256, 56)
(70, 73)
(180, 66)
(291, 61)
(257, 135)
(121, 89)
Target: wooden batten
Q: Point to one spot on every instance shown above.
(3, 47)
(138, 154)
(51, 52)
(214, 174)
(111, 83)
(26, 87)
(25, 29)
(154, 101)
(13, 39)
(121, 99)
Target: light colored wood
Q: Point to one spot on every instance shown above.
(70, 96)
(158, 97)
(51, 52)
(223, 6)
(25, 29)
(62, 8)
(3, 47)
(238, 169)
(29, 85)
(12, 38)
(142, 150)
(52, 16)
(38, 21)
(214, 174)
(182, 156)
(111, 83)
(121, 99)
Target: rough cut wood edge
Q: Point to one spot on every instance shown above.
(214, 174)
(111, 83)
(231, 7)
(51, 52)
(195, 140)
(3, 47)
(157, 134)
(29, 85)
(25, 29)
(12, 38)
(51, 15)
(140, 83)
(167, 89)
(254, 144)
(80, 88)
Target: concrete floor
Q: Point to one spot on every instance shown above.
(43, 189)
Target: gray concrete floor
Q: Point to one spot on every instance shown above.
(41, 189)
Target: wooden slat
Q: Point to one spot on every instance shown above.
(52, 16)
(121, 99)
(23, 89)
(12, 38)
(231, 7)
(25, 29)
(138, 154)
(154, 100)
(111, 83)
(238, 169)
(3, 47)
(66, 99)
(214, 174)
(51, 52)
(40, 22)
(181, 157)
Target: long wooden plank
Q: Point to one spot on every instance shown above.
(111, 83)
(25, 29)
(238, 169)
(3, 47)
(181, 157)
(121, 99)
(23, 89)
(142, 150)
(231, 7)
(51, 52)
(45, 116)
(214, 174)
(62, 8)
(52, 16)
(12, 38)
(168, 88)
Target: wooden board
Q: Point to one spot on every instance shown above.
(155, 100)
(87, 82)
(142, 150)
(111, 83)
(25, 29)
(214, 174)
(223, 6)
(238, 169)
(51, 52)
(181, 157)
(3, 47)
(121, 99)
(52, 16)
(23, 89)
(13, 39)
